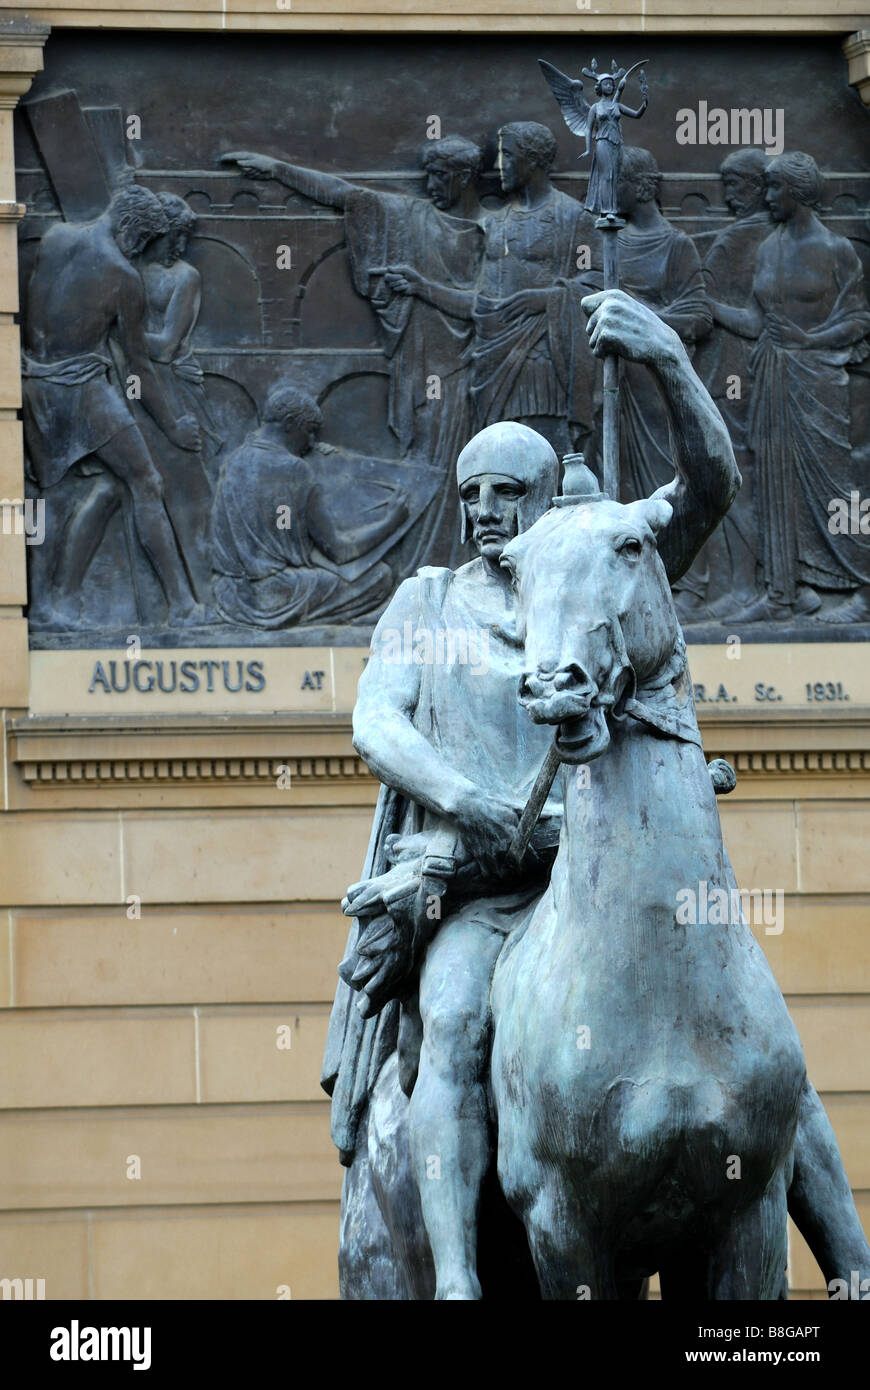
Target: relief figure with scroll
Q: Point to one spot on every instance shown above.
(528, 356)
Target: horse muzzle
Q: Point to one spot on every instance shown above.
(581, 740)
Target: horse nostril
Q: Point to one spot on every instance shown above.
(570, 677)
(531, 686)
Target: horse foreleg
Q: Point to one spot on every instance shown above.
(750, 1261)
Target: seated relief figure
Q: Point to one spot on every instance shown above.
(85, 294)
(280, 556)
(809, 316)
(442, 901)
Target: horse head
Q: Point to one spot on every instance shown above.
(595, 612)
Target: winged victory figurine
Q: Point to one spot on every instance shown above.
(599, 123)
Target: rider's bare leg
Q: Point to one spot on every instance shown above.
(128, 458)
(820, 1199)
(449, 1117)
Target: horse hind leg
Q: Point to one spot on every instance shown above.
(569, 1262)
(750, 1261)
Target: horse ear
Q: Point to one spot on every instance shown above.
(655, 511)
(511, 552)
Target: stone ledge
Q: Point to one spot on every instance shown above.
(317, 750)
(243, 751)
(240, 771)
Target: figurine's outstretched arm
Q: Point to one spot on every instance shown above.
(820, 1199)
(323, 188)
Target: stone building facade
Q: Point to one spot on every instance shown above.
(170, 873)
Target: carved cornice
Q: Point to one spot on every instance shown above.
(801, 762)
(316, 750)
(21, 44)
(857, 50)
(200, 751)
(249, 772)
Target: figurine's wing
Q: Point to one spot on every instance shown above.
(569, 94)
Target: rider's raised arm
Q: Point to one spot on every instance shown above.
(383, 730)
(707, 479)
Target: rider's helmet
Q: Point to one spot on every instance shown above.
(517, 452)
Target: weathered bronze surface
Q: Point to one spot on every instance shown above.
(627, 1068)
(409, 246)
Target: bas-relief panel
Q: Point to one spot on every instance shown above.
(269, 290)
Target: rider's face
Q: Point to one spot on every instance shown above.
(492, 504)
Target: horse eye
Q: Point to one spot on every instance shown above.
(631, 547)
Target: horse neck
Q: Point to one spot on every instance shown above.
(643, 784)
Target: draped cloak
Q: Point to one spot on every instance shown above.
(798, 426)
